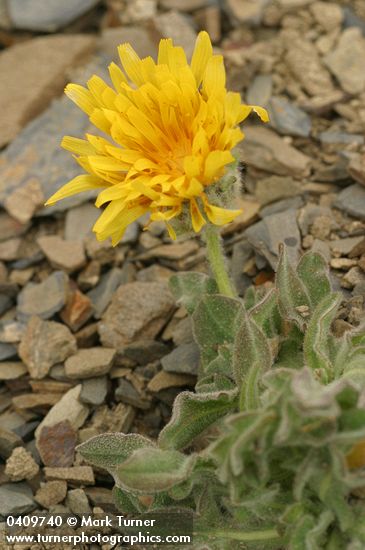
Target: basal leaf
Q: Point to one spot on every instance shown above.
(294, 300)
(313, 272)
(193, 413)
(215, 322)
(108, 450)
(315, 347)
(189, 287)
(251, 357)
(152, 470)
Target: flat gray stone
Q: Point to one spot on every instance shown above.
(44, 344)
(69, 407)
(184, 359)
(7, 351)
(144, 351)
(127, 393)
(43, 299)
(5, 303)
(94, 390)
(287, 118)
(352, 20)
(293, 203)
(346, 61)
(16, 498)
(266, 235)
(260, 90)
(87, 363)
(79, 221)
(54, 166)
(274, 188)
(352, 201)
(264, 149)
(41, 65)
(8, 441)
(137, 311)
(333, 137)
(37, 15)
(101, 295)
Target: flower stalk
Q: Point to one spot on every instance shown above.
(217, 261)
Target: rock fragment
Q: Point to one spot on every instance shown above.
(51, 493)
(43, 299)
(173, 24)
(68, 408)
(21, 465)
(184, 359)
(138, 311)
(56, 444)
(40, 66)
(16, 499)
(263, 149)
(88, 363)
(346, 61)
(78, 502)
(352, 201)
(79, 475)
(44, 344)
(67, 255)
(11, 370)
(34, 15)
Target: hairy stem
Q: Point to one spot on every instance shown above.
(217, 261)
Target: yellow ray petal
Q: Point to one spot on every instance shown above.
(220, 216)
(214, 80)
(203, 51)
(117, 76)
(261, 112)
(102, 93)
(76, 185)
(107, 164)
(112, 193)
(163, 51)
(78, 146)
(197, 219)
(192, 166)
(116, 218)
(82, 97)
(131, 63)
(214, 163)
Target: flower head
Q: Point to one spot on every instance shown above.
(172, 127)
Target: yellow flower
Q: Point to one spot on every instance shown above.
(172, 125)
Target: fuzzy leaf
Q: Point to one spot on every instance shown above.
(266, 314)
(152, 470)
(188, 288)
(215, 323)
(111, 449)
(251, 357)
(315, 347)
(126, 502)
(193, 413)
(292, 292)
(313, 272)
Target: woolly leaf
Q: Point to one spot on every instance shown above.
(192, 414)
(188, 288)
(152, 470)
(316, 348)
(313, 272)
(294, 301)
(215, 322)
(111, 449)
(251, 357)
